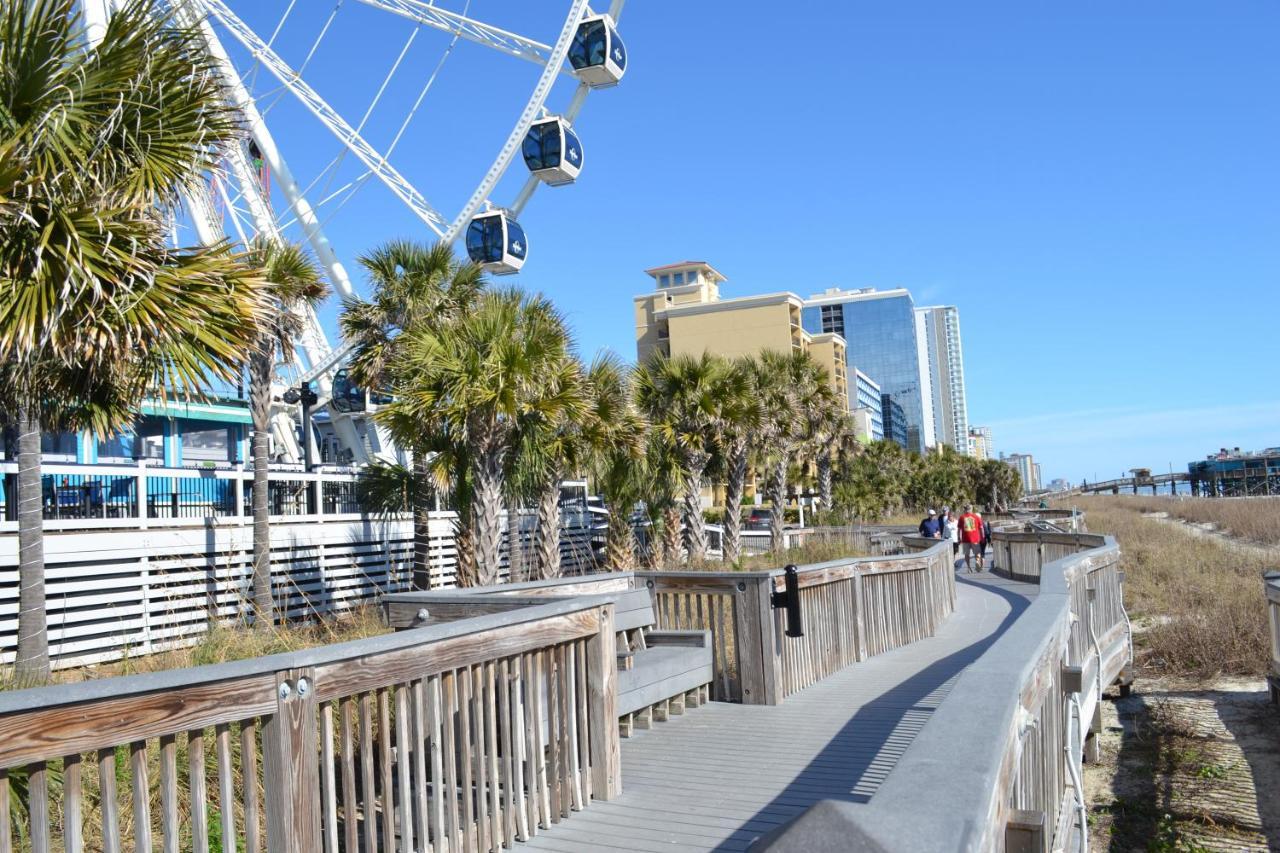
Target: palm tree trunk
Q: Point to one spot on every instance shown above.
(486, 516)
(32, 663)
(670, 536)
(695, 528)
(549, 529)
(777, 489)
(824, 479)
(260, 369)
(620, 542)
(734, 486)
(421, 522)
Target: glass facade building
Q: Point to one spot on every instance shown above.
(879, 328)
(866, 396)
(895, 421)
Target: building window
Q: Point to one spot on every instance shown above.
(119, 446)
(61, 443)
(206, 442)
(150, 435)
(691, 277)
(664, 280)
(678, 278)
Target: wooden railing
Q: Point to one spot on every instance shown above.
(1021, 555)
(998, 766)
(1271, 585)
(461, 736)
(856, 609)
(850, 609)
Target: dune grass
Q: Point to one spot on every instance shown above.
(231, 641)
(1255, 520)
(1197, 603)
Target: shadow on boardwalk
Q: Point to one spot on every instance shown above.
(893, 719)
(721, 776)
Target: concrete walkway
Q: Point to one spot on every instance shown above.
(722, 775)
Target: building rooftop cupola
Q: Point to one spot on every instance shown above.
(687, 281)
(684, 273)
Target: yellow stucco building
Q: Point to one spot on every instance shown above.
(684, 314)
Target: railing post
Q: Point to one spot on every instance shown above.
(1025, 832)
(759, 650)
(140, 490)
(602, 709)
(290, 770)
(859, 629)
(237, 491)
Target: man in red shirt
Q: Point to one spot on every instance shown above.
(971, 537)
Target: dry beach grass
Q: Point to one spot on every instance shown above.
(1191, 759)
(1251, 519)
(1196, 602)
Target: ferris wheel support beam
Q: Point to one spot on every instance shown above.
(470, 29)
(329, 117)
(312, 342)
(579, 98)
(246, 175)
(539, 97)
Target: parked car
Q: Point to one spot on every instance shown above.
(759, 519)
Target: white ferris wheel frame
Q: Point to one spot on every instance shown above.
(323, 359)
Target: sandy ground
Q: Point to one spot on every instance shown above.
(1187, 767)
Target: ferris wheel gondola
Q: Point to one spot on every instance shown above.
(598, 56)
(552, 151)
(496, 241)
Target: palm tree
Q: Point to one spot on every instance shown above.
(834, 459)
(778, 430)
(741, 416)
(823, 420)
(663, 489)
(791, 388)
(553, 447)
(679, 397)
(96, 145)
(611, 442)
(476, 380)
(620, 473)
(414, 287)
(293, 284)
(602, 420)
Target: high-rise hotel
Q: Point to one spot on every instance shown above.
(899, 368)
(939, 331)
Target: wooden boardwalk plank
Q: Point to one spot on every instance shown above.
(720, 776)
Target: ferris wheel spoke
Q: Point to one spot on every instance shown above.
(539, 97)
(470, 29)
(345, 133)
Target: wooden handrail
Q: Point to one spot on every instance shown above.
(988, 764)
(526, 699)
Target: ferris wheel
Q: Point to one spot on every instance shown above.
(275, 58)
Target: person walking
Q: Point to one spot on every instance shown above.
(986, 541)
(971, 537)
(951, 530)
(931, 526)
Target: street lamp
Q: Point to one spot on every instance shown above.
(308, 398)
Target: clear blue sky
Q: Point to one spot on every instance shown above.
(1095, 185)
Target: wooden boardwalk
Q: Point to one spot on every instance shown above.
(722, 775)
